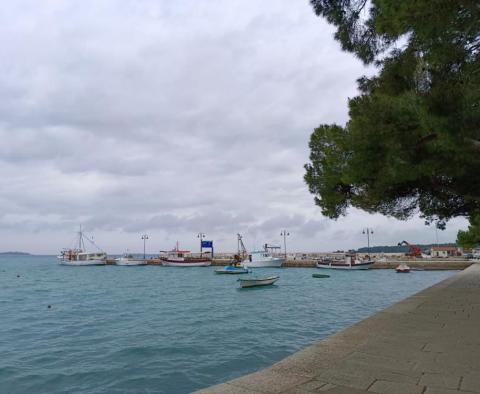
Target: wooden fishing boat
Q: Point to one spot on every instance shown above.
(183, 258)
(78, 256)
(257, 281)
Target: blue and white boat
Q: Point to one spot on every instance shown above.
(231, 270)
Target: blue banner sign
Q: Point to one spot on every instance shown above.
(207, 244)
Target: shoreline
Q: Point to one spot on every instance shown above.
(426, 264)
(426, 343)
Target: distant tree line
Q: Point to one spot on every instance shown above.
(399, 249)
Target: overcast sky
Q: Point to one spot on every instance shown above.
(171, 117)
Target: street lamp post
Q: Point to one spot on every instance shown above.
(368, 231)
(201, 236)
(284, 234)
(144, 237)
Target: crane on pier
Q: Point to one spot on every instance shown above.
(413, 250)
(242, 251)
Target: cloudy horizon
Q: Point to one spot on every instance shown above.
(173, 118)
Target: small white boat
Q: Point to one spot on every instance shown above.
(348, 262)
(182, 258)
(128, 259)
(255, 281)
(78, 256)
(403, 268)
(262, 259)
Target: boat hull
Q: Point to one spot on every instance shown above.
(255, 282)
(402, 269)
(231, 271)
(343, 266)
(205, 263)
(126, 262)
(81, 263)
(270, 263)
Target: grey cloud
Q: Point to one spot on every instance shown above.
(167, 117)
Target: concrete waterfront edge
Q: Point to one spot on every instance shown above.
(437, 264)
(428, 343)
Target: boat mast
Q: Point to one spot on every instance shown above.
(81, 243)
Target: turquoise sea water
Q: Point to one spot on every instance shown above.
(169, 330)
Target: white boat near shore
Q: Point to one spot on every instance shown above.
(262, 259)
(348, 262)
(128, 259)
(403, 268)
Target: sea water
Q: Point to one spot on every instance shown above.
(152, 329)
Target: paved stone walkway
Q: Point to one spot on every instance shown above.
(428, 343)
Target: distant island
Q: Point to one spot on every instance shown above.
(16, 253)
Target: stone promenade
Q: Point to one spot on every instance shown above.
(428, 343)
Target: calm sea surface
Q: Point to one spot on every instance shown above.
(169, 330)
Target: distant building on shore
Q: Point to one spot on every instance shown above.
(445, 251)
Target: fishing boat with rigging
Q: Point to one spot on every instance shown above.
(263, 259)
(78, 256)
(183, 258)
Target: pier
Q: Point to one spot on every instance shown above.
(423, 264)
(428, 343)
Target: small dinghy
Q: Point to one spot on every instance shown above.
(256, 281)
(232, 270)
(403, 268)
(320, 276)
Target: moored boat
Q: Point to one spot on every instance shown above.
(128, 259)
(262, 259)
(403, 268)
(183, 258)
(79, 257)
(231, 270)
(348, 262)
(257, 281)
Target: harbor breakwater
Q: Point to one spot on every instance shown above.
(421, 264)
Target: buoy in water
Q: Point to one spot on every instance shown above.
(49, 306)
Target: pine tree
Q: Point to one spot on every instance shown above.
(412, 142)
